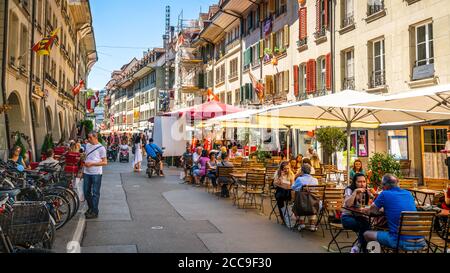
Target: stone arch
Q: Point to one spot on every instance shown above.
(49, 118)
(62, 125)
(17, 112)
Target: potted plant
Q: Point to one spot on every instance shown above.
(332, 140)
(276, 51)
(381, 164)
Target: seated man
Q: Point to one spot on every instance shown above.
(304, 180)
(394, 201)
(155, 153)
(50, 162)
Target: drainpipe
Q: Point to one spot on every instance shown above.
(30, 78)
(333, 45)
(5, 40)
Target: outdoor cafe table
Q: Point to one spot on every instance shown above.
(364, 212)
(428, 194)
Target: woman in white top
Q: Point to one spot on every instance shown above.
(137, 154)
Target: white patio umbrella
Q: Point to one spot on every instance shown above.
(434, 99)
(338, 110)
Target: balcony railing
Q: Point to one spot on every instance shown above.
(348, 20)
(302, 42)
(375, 7)
(349, 83)
(320, 33)
(378, 79)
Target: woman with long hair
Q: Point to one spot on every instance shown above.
(357, 195)
(17, 158)
(357, 168)
(283, 180)
(202, 168)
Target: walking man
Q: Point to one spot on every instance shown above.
(93, 171)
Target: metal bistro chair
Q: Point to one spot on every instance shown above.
(223, 176)
(441, 244)
(254, 186)
(414, 224)
(235, 186)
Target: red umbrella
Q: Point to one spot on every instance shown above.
(211, 110)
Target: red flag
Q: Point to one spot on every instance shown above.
(259, 87)
(76, 90)
(211, 96)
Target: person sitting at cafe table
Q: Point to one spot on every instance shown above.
(357, 169)
(211, 166)
(283, 180)
(394, 200)
(293, 166)
(356, 195)
(225, 180)
(304, 180)
(308, 161)
(299, 160)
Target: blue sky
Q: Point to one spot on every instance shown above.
(134, 24)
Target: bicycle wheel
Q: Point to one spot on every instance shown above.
(33, 251)
(74, 205)
(74, 195)
(59, 208)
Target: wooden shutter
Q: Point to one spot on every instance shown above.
(286, 36)
(302, 15)
(325, 7)
(261, 12)
(272, 6)
(242, 93)
(272, 41)
(261, 49)
(286, 81)
(328, 71)
(296, 84)
(318, 26)
(314, 75)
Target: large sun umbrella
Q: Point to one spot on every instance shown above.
(434, 99)
(338, 110)
(211, 110)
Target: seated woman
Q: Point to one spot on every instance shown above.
(299, 160)
(283, 180)
(293, 166)
(211, 166)
(357, 169)
(357, 194)
(17, 158)
(201, 171)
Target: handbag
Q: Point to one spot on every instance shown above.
(306, 204)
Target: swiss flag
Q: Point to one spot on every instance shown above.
(76, 90)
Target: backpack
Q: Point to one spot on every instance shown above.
(306, 204)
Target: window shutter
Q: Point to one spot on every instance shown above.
(251, 91)
(308, 77)
(296, 76)
(328, 70)
(272, 41)
(261, 12)
(261, 49)
(302, 21)
(286, 36)
(318, 70)
(258, 51)
(313, 76)
(325, 7)
(242, 93)
(272, 6)
(286, 81)
(318, 15)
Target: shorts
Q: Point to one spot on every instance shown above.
(386, 239)
(198, 172)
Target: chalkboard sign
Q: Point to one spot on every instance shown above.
(423, 72)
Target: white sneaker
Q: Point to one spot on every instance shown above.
(301, 227)
(313, 228)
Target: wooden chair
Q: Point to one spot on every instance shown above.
(405, 167)
(319, 191)
(334, 201)
(407, 184)
(223, 176)
(436, 184)
(414, 224)
(254, 187)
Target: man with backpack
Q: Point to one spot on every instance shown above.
(155, 152)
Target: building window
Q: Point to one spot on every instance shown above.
(237, 96)
(229, 98)
(348, 13)
(303, 80)
(434, 139)
(374, 6)
(398, 144)
(233, 69)
(13, 40)
(424, 45)
(321, 74)
(322, 18)
(280, 7)
(349, 70)
(220, 74)
(378, 77)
